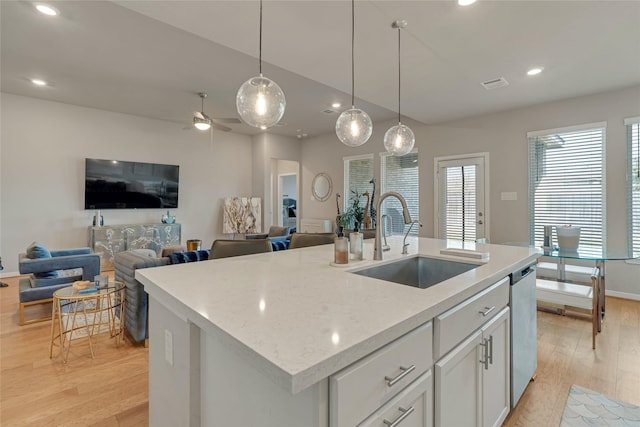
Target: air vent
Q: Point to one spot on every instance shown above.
(495, 83)
(329, 111)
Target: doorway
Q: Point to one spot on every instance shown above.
(461, 205)
(288, 200)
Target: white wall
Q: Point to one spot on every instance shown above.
(503, 136)
(42, 168)
(267, 151)
(43, 147)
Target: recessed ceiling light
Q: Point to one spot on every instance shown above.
(38, 82)
(46, 9)
(336, 105)
(466, 2)
(534, 71)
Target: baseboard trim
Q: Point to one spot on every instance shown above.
(623, 295)
(9, 274)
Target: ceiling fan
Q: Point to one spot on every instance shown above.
(203, 122)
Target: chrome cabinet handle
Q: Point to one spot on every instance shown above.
(405, 371)
(485, 351)
(491, 349)
(397, 421)
(487, 310)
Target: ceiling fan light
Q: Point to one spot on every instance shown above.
(260, 102)
(399, 140)
(354, 127)
(201, 124)
(46, 9)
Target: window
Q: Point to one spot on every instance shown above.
(633, 180)
(358, 172)
(566, 183)
(400, 174)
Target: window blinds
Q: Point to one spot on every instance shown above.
(459, 203)
(566, 184)
(400, 174)
(633, 180)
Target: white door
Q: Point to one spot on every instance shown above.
(458, 378)
(495, 376)
(461, 205)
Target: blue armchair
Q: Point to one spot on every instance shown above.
(52, 270)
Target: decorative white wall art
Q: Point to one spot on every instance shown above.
(242, 215)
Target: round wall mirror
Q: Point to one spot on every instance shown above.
(321, 187)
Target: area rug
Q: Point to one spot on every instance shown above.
(588, 408)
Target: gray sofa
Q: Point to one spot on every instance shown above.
(137, 301)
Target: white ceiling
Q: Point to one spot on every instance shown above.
(150, 58)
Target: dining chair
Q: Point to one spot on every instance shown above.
(223, 248)
(303, 240)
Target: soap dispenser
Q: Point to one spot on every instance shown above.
(356, 243)
(341, 248)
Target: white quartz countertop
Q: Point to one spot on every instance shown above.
(298, 319)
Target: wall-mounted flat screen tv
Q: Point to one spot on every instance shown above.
(116, 184)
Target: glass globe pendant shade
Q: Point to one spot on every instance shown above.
(260, 102)
(399, 140)
(201, 124)
(354, 127)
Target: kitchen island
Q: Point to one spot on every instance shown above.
(255, 340)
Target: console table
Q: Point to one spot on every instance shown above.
(557, 291)
(564, 293)
(109, 240)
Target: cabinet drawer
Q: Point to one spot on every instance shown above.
(416, 401)
(358, 390)
(454, 325)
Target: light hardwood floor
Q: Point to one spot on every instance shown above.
(112, 390)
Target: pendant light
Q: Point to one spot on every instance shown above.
(260, 101)
(399, 139)
(354, 126)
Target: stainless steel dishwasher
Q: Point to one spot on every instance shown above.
(524, 348)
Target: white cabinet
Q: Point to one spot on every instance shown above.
(495, 374)
(365, 387)
(412, 407)
(458, 385)
(472, 380)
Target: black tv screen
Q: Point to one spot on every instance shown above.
(115, 184)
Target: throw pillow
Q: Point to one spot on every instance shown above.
(145, 252)
(188, 256)
(37, 251)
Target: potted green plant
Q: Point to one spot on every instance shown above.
(354, 212)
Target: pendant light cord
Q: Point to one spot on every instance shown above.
(353, 32)
(260, 43)
(398, 74)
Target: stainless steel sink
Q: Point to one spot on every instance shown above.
(419, 272)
